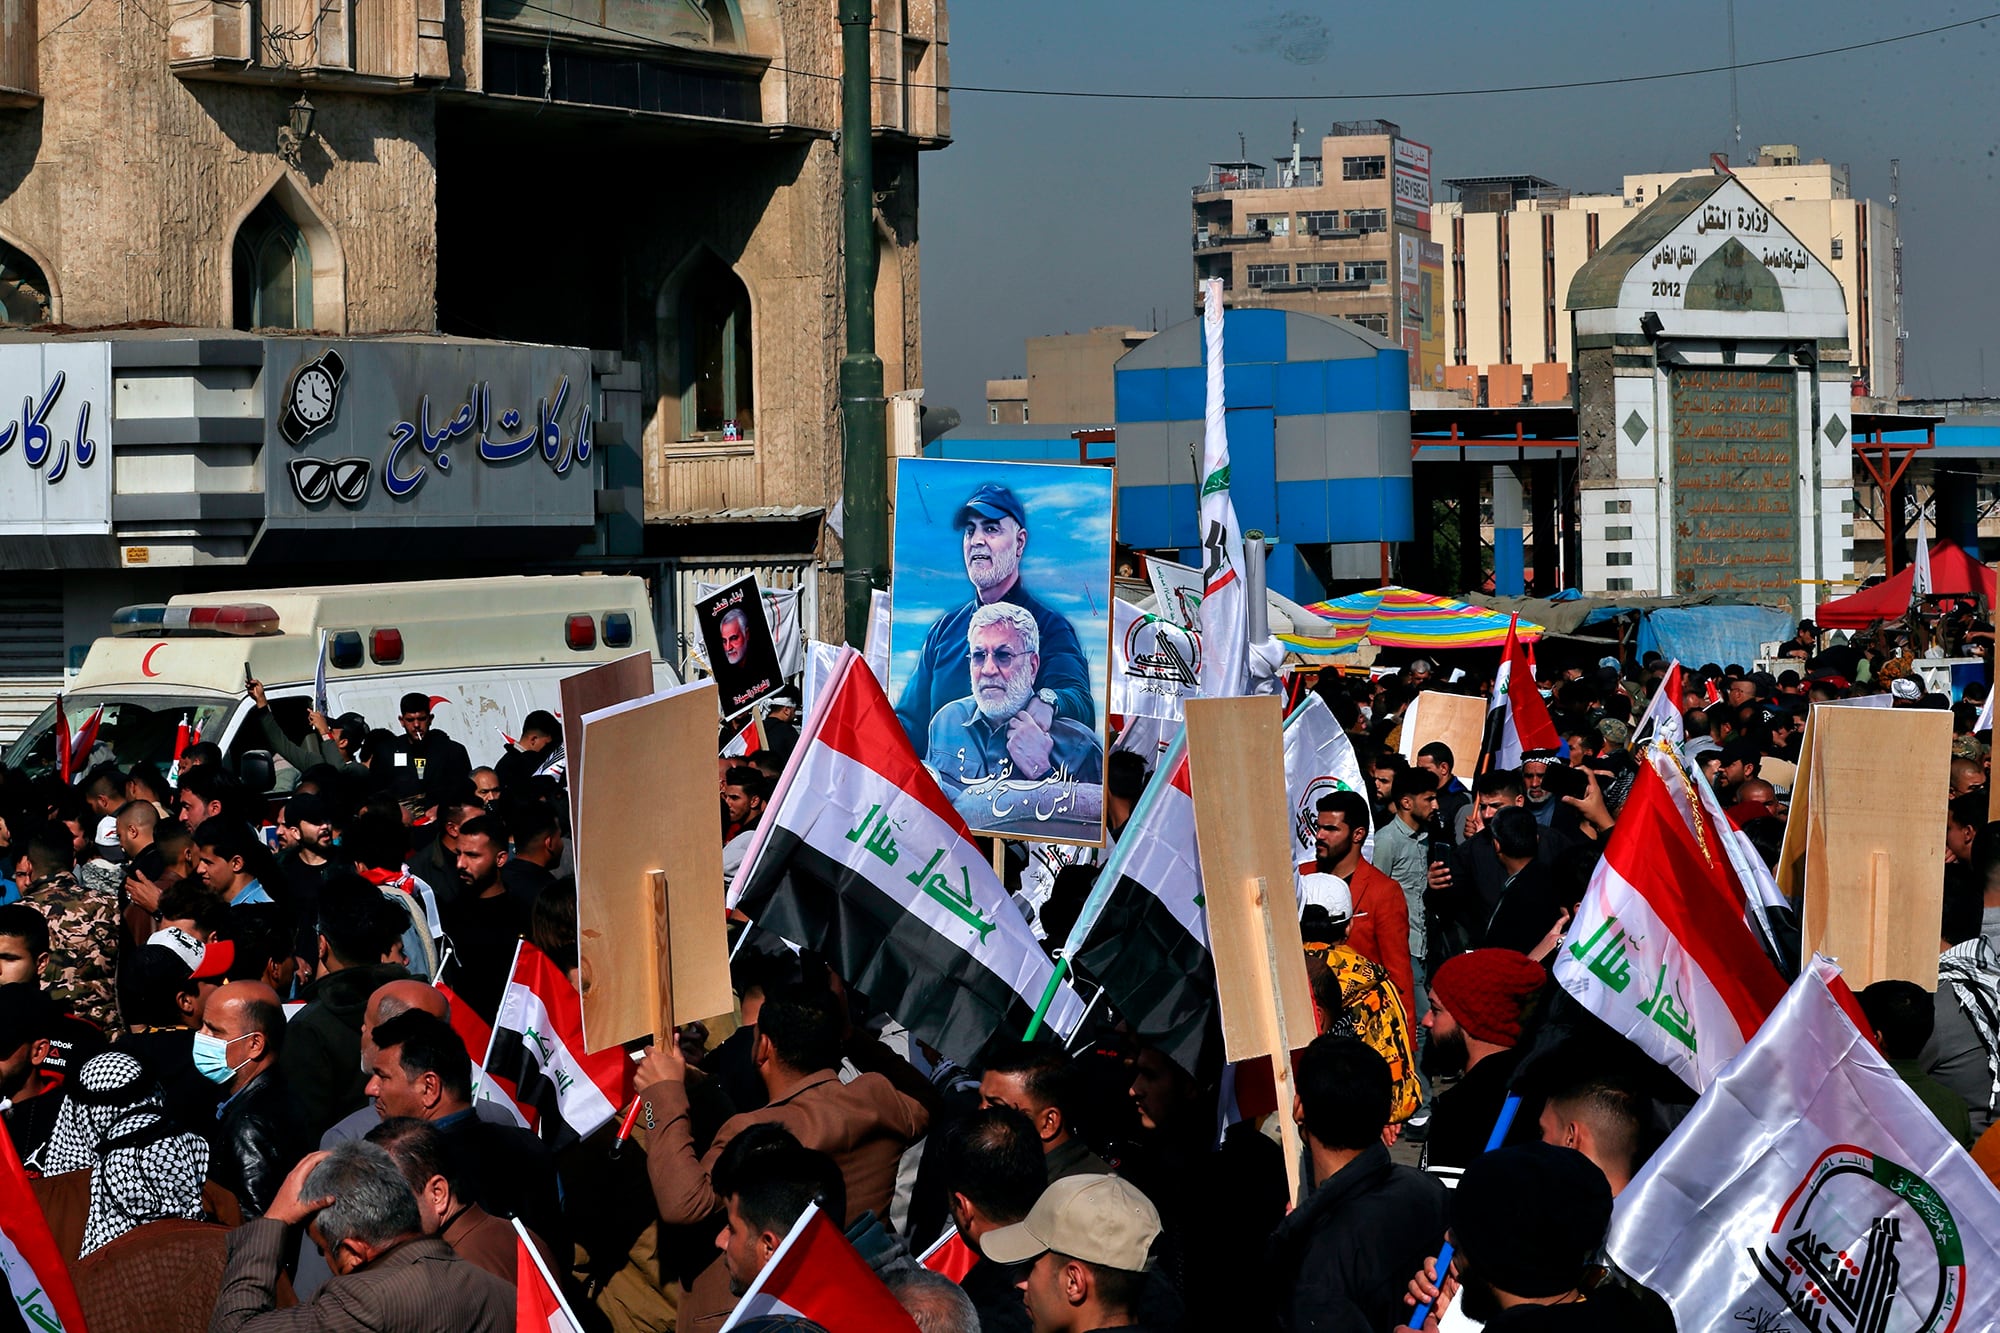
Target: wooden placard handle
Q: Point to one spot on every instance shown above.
(1281, 1054)
(663, 959)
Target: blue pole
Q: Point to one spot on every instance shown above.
(1501, 1125)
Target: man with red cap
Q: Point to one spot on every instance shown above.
(1477, 1001)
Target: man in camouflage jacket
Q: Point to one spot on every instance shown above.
(81, 971)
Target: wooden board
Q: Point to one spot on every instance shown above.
(1459, 720)
(630, 677)
(1874, 847)
(1236, 761)
(1790, 872)
(647, 805)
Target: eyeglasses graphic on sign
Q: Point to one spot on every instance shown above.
(314, 479)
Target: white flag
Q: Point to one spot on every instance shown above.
(1920, 570)
(1663, 718)
(1225, 658)
(1811, 1189)
(1319, 759)
(1155, 664)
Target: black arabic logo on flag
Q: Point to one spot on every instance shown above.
(314, 479)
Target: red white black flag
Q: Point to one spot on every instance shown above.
(815, 1275)
(861, 858)
(536, 1056)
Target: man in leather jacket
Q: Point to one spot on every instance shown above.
(257, 1138)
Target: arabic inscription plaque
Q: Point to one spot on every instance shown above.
(1736, 463)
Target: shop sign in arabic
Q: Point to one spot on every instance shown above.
(402, 473)
(55, 438)
(1735, 470)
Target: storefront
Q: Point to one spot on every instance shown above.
(144, 463)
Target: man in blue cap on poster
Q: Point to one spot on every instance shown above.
(994, 529)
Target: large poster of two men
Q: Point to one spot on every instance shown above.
(1000, 641)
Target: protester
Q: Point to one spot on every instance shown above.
(80, 965)
(1336, 1262)
(1379, 920)
(484, 921)
(422, 758)
(360, 1213)
(322, 1060)
(1039, 1083)
(766, 1181)
(1526, 1220)
(475, 1235)
(992, 1169)
(1903, 1014)
(1087, 1243)
(31, 1095)
(1478, 1001)
(1963, 1052)
(258, 1137)
(538, 850)
(864, 1124)
(1353, 997)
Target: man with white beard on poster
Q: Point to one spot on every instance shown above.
(995, 762)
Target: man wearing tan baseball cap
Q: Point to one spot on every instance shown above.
(1088, 1238)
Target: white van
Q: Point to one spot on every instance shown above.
(486, 651)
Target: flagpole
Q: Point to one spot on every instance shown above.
(1048, 996)
(528, 1244)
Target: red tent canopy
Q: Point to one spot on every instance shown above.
(1952, 571)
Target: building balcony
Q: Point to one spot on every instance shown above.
(1215, 240)
(1343, 285)
(363, 46)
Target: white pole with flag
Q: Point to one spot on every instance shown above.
(319, 678)
(1920, 568)
(1225, 647)
(1662, 717)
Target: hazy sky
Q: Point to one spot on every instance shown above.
(1051, 215)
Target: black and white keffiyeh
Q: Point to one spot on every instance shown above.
(113, 1124)
(1974, 976)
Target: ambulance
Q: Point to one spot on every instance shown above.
(485, 651)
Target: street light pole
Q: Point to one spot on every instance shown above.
(864, 446)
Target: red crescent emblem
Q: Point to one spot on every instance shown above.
(146, 662)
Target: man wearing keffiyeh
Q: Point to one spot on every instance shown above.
(113, 1125)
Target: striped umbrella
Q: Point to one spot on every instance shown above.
(1394, 617)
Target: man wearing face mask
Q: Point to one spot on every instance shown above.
(359, 1211)
(257, 1137)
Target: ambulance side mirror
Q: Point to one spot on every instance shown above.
(256, 771)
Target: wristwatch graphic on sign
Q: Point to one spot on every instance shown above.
(311, 396)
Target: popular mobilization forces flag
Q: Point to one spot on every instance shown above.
(1225, 642)
(816, 1275)
(1811, 1189)
(1661, 949)
(1662, 718)
(1319, 760)
(1517, 721)
(36, 1274)
(1143, 931)
(536, 1056)
(861, 857)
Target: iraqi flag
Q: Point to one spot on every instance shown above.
(538, 1301)
(816, 1275)
(1661, 948)
(949, 1256)
(1985, 722)
(1143, 931)
(1662, 717)
(860, 857)
(536, 1055)
(1517, 720)
(1319, 760)
(1810, 1188)
(746, 742)
(36, 1275)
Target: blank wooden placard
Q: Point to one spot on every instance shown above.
(1790, 872)
(1459, 720)
(647, 804)
(598, 687)
(1236, 761)
(1874, 841)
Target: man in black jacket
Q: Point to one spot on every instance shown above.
(257, 1137)
(992, 1169)
(421, 758)
(1337, 1261)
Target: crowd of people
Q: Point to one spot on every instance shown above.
(241, 1018)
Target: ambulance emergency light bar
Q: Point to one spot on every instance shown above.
(156, 619)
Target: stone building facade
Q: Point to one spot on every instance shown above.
(656, 182)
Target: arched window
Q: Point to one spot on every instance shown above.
(712, 318)
(24, 290)
(274, 271)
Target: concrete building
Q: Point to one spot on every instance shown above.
(644, 192)
(1338, 234)
(1319, 445)
(1068, 379)
(1715, 417)
(1513, 244)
